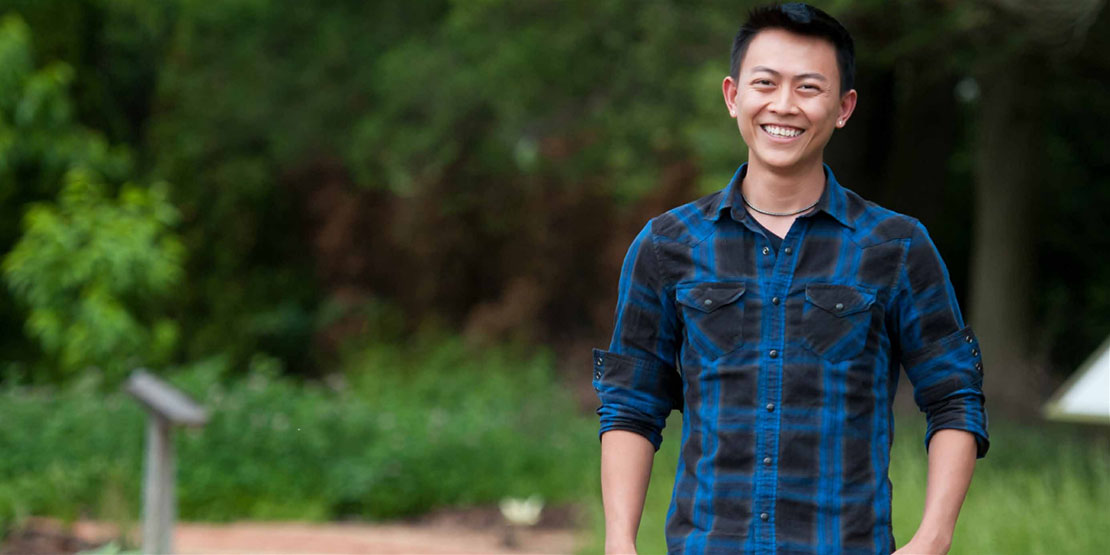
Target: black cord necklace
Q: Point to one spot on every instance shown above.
(766, 213)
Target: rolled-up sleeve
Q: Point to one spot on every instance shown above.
(636, 380)
(939, 352)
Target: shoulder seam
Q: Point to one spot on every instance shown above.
(914, 225)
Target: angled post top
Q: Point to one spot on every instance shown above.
(165, 400)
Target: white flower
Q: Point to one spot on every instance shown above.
(525, 512)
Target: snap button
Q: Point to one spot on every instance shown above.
(773, 353)
(770, 407)
(839, 307)
(788, 250)
(764, 516)
(766, 251)
(975, 352)
(766, 460)
(774, 300)
(707, 302)
(967, 338)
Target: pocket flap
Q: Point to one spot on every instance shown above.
(840, 300)
(707, 297)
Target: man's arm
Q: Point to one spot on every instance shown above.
(951, 462)
(638, 386)
(626, 459)
(941, 357)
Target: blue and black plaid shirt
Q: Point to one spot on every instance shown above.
(785, 363)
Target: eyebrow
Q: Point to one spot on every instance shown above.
(766, 69)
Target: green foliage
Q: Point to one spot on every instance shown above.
(39, 144)
(569, 91)
(460, 138)
(93, 269)
(410, 429)
(39, 139)
(64, 451)
(1041, 489)
(462, 427)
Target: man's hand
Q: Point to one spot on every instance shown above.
(626, 459)
(951, 462)
(919, 547)
(619, 548)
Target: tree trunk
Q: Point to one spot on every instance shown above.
(1008, 157)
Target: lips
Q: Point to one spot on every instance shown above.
(782, 131)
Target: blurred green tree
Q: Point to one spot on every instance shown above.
(93, 268)
(90, 267)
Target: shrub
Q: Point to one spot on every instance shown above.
(409, 428)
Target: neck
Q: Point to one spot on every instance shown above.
(781, 191)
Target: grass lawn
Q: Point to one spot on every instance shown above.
(1041, 489)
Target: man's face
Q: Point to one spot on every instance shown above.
(787, 100)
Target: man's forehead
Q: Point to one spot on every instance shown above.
(784, 52)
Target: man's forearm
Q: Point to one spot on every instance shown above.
(626, 459)
(951, 463)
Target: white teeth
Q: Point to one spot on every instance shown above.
(782, 131)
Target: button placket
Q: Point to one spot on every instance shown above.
(769, 423)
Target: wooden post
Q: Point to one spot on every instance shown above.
(158, 487)
(166, 406)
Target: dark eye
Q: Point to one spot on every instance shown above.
(762, 82)
(811, 87)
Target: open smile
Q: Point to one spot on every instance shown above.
(782, 131)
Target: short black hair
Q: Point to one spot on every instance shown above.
(802, 19)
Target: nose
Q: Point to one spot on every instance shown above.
(783, 101)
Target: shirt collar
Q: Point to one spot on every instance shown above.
(833, 201)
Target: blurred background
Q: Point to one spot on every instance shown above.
(377, 239)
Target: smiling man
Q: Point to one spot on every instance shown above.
(776, 314)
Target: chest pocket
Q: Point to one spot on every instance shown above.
(836, 320)
(714, 315)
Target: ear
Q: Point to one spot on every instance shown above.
(729, 88)
(847, 106)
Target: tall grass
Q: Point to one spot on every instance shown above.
(1041, 489)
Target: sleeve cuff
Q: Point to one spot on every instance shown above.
(654, 437)
(636, 394)
(982, 441)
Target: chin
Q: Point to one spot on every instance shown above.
(777, 162)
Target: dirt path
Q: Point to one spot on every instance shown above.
(438, 536)
(359, 538)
